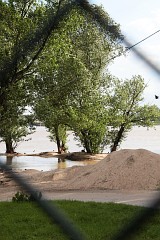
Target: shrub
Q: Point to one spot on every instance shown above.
(23, 197)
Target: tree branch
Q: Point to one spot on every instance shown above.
(40, 38)
(20, 74)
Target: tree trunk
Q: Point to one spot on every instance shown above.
(9, 146)
(58, 144)
(58, 141)
(63, 146)
(118, 138)
(86, 142)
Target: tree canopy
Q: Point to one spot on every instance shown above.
(54, 57)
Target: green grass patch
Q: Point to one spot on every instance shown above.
(97, 220)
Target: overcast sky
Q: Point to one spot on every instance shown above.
(138, 19)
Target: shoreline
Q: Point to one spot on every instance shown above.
(126, 170)
(74, 156)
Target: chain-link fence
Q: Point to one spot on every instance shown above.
(52, 211)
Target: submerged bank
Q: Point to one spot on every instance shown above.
(122, 170)
(75, 156)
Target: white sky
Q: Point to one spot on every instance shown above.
(138, 19)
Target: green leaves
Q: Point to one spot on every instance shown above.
(69, 82)
(126, 109)
(55, 63)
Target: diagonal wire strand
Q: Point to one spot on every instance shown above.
(144, 58)
(137, 223)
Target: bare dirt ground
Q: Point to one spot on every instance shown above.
(122, 170)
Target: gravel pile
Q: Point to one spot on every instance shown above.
(124, 169)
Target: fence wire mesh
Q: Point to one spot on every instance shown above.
(52, 211)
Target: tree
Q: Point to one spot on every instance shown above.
(54, 122)
(70, 82)
(88, 116)
(26, 27)
(89, 121)
(14, 124)
(16, 21)
(126, 109)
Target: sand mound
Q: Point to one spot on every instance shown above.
(124, 169)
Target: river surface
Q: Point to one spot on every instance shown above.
(139, 137)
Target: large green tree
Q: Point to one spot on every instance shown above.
(71, 79)
(25, 27)
(14, 123)
(126, 109)
(18, 22)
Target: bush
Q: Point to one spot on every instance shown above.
(23, 197)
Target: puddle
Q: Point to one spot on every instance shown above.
(40, 163)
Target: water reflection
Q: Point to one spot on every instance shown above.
(40, 163)
(61, 160)
(62, 164)
(9, 160)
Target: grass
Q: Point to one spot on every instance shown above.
(97, 220)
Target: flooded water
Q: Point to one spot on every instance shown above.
(139, 137)
(41, 163)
